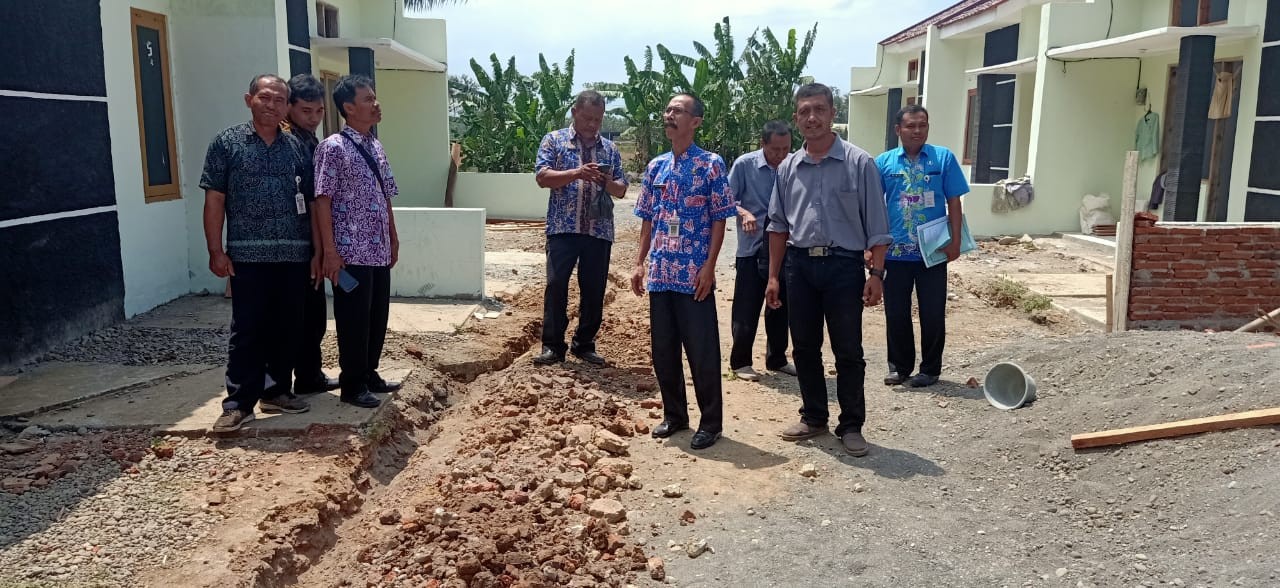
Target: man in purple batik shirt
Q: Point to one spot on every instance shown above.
(354, 187)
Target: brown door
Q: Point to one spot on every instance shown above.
(332, 120)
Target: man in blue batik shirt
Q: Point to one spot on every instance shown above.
(583, 170)
(684, 205)
(921, 183)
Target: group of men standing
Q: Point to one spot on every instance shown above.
(823, 233)
(298, 210)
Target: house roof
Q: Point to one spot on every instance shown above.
(954, 13)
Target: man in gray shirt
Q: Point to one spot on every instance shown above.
(751, 180)
(827, 209)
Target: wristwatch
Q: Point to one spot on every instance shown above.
(879, 273)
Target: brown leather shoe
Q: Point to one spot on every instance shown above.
(854, 444)
(801, 431)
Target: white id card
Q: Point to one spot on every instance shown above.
(927, 197)
(298, 200)
(673, 227)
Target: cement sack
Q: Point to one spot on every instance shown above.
(1094, 211)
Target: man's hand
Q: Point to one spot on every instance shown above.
(771, 294)
(952, 250)
(220, 264)
(749, 223)
(873, 292)
(332, 263)
(590, 172)
(395, 251)
(637, 280)
(705, 281)
(317, 271)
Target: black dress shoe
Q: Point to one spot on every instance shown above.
(922, 381)
(667, 429)
(366, 399)
(590, 357)
(548, 357)
(316, 385)
(378, 385)
(893, 379)
(703, 439)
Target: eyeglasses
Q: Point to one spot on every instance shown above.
(675, 111)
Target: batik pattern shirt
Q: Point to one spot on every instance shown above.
(261, 183)
(567, 209)
(361, 212)
(917, 192)
(683, 197)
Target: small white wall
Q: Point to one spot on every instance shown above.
(415, 133)
(441, 253)
(503, 196)
(946, 91)
(153, 236)
(867, 116)
(1035, 219)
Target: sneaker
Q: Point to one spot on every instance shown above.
(285, 403)
(747, 373)
(788, 369)
(231, 420)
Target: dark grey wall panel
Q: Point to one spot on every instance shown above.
(1264, 163)
(297, 20)
(299, 62)
(54, 47)
(894, 104)
(1269, 82)
(1001, 46)
(63, 279)
(1272, 30)
(1259, 207)
(57, 159)
(1190, 123)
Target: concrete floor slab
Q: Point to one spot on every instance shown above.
(190, 405)
(1063, 285)
(408, 315)
(415, 315)
(1091, 310)
(188, 312)
(54, 384)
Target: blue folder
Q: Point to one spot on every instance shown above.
(936, 234)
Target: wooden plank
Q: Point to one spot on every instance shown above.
(1258, 322)
(1253, 418)
(1124, 244)
(1111, 317)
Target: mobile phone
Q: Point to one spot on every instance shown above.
(605, 169)
(346, 281)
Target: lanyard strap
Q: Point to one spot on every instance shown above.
(368, 159)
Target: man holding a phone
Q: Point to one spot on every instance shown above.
(354, 187)
(583, 170)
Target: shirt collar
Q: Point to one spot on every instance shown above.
(693, 151)
(836, 152)
(575, 143)
(926, 153)
(354, 134)
(761, 161)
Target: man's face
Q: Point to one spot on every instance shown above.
(678, 119)
(270, 103)
(307, 114)
(814, 115)
(587, 120)
(365, 109)
(913, 131)
(776, 149)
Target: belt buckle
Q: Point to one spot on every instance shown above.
(819, 251)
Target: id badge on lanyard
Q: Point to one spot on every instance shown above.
(298, 200)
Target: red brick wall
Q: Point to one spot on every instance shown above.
(1202, 276)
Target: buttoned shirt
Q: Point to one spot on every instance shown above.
(261, 183)
(567, 208)
(836, 201)
(683, 197)
(917, 192)
(751, 180)
(361, 211)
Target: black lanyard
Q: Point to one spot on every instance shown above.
(373, 166)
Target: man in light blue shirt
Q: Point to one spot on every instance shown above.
(921, 183)
(751, 179)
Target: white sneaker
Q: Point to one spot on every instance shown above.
(789, 369)
(747, 373)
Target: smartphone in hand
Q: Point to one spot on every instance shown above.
(346, 281)
(605, 169)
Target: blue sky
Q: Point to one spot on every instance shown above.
(603, 32)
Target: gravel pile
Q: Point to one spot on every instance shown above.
(146, 346)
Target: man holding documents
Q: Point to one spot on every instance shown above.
(922, 183)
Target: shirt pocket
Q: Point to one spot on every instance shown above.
(849, 205)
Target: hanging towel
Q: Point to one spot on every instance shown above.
(1146, 138)
(1223, 91)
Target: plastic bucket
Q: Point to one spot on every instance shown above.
(1008, 387)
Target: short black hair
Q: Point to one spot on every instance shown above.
(589, 97)
(305, 87)
(774, 128)
(345, 91)
(698, 107)
(263, 79)
(910, 109)
(811, 90)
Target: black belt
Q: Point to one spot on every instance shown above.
(825, 252)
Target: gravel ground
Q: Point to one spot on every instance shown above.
(127, 345)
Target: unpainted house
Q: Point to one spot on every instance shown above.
(1057, 90)
(112, 104)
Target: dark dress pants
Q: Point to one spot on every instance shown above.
(591, 256)
(266, 318)
(748, 296)
(930, 287)
(308, 370)
(361, 317)
(676, 321)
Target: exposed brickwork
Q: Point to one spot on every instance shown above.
(1202, 276)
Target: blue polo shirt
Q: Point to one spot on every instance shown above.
(917, 192)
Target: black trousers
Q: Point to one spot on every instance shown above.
(591, 256)
(266, 317)
(930, 286)
(676, 321)
(748, 296)
(361, 317)
(830, 289)
(307, 370)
